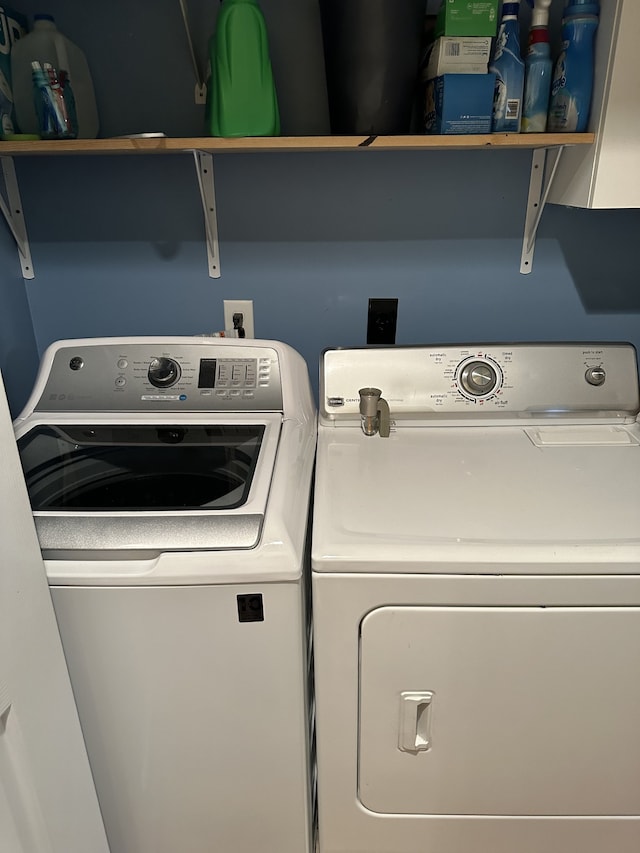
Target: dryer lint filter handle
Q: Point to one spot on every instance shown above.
(374, 412)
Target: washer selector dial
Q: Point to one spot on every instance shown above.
(478, 378)
(595, 375)
(163, 372)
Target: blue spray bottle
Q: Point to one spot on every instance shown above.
(572, 84)
(508, 67)
(538, 70)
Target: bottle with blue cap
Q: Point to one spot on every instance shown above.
(508, 67)
(572, 86)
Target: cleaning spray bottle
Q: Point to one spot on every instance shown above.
(508, 67)
(572, 84)
(538, 69)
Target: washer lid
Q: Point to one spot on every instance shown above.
(152, 487)
(427, 498)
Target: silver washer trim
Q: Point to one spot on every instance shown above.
(115, 534)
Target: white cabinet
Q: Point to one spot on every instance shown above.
(607, 174)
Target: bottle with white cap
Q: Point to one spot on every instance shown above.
(538, 70)
(46, 44)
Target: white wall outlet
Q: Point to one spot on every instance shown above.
(239, 306)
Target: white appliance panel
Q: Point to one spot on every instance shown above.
(341, 603)
(188, 660)
(434, 495)
(476, 593)
(500, 711)
(183, 706)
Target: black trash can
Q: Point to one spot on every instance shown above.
(372, 52)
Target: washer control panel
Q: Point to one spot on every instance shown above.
(516, 380)
(146, 377)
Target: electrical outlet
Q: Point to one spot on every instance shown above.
(381, 322)
(239, 306)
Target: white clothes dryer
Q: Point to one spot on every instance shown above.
(170, 482)
(476, 588)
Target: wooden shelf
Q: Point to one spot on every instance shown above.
(172, 145)
(202, 149)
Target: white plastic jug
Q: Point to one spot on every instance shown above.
(45, 43)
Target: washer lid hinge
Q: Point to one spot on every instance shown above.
(539, 186)
(13, 213)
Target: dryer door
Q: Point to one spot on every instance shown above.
(500, 711)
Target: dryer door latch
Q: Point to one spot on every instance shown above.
(414, 729)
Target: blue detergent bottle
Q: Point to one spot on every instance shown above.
(508, 67)
(572, 85)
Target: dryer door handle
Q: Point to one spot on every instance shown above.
(414, 729)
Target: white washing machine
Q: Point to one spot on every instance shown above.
(476, 588)
(170, 482)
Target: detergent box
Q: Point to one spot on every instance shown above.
(467, 18)
(457, 55)
(459, 103)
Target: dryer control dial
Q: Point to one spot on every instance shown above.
(595, 376)
(163, 372)
(478, 378)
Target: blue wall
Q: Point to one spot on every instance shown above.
(118, 246)
(118, 242)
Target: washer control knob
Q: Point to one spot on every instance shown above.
(595, 376)
(478, 378)
(163, 372)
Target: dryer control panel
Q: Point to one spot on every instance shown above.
(140, 377)
(485, 381)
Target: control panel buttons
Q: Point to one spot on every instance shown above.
(122, 363)
(76, 363)
(163, 372)
(595, 376)
(121, 382)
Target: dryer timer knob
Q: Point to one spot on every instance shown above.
(595, 376)
(478, 378)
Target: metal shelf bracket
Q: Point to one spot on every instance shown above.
(206, 184)
(12, 211)
(201, 86)
(544, 164)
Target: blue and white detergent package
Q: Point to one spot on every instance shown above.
(12, 27)
(459, 103)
